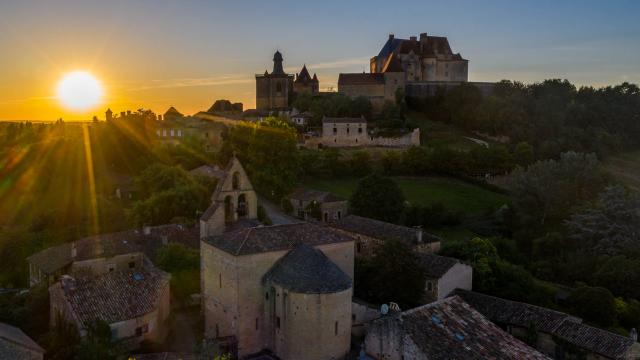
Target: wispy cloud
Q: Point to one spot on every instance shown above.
(337, 64)
(25, 100)
(230, 79)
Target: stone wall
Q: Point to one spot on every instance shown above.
(460, 276)
(362, 313)
(410, 139)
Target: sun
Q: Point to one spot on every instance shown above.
(79, 90)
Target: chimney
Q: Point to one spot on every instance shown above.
(146, 230)
(633, 334)
(391, 36)
(74, 250)
(413, 38)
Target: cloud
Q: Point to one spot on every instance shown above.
(230, 79)
(337, 64)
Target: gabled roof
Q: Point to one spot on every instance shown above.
(596, 340)
(107, 245)
(307, 270)
(451, 329)
(275, 238)
(381, 230)
(16, 336)
(304, 76)
(314, 195)
(436, 266)
(360, 79)
(173, 112)
(115, 296)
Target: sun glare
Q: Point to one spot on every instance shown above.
(79, 90)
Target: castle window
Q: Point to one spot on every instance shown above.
(347, 130)
(335, 130)
(278, 322)
(257, 324)
(335, 328)
(359, 130)
(266, 295)
(132, 265)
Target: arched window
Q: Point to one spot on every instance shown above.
(242, 206)
(228, 209)
(278, 87)
(235, 181)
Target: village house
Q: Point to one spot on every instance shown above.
(16, 345)
(370, 233)
(558, 335)
(443, 330)
(321, 205)
(134, 303)
(444, 275)
(99, 254)
(302, 118)
(352, 132)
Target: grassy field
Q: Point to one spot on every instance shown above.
(625, 168)
(438, 134)
(454, 194)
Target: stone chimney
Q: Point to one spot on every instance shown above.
(391, 36)
(633, 334)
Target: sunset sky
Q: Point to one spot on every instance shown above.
(156, 54)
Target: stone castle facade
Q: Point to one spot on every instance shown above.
(276, 90)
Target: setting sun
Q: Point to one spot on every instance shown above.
(79, 90)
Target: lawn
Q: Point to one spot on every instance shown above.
(454, 194)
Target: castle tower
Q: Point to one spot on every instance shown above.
(108, 115)
(277, 64)
(274, 91)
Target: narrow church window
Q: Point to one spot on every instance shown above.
(359, 130)
(335, 328)
(266, 296)
(347, 130)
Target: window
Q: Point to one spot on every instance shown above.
(179, 133)
(335, 328)
(335, 130)
(279, 88)
(217, 331)
(340, 212)
(266, 296)
(257, 324)
(171, 132)
(429, 286)
(220, 281)
(359, 130)
(353, 317)
(358, 247)
(347, 131)
(164, 133)
(326, 217)
(132, 264)
(278, 322)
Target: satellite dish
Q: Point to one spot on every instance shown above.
(384, 309)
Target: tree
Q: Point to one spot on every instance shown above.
(377, 197)
(612, 226)
(97, 344)
(523, 154)
(184, 265)
(595, 304)
(360, 163)
(620, 275)
(393, 273)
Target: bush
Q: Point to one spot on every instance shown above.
(594, 304)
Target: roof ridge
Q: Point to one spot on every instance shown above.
(246, 237)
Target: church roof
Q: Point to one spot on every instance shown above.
(451, 329)
(256, 240)
(308, 271)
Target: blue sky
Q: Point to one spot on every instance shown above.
(187, 53)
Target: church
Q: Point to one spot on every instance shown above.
(276, 90)
(282, 288)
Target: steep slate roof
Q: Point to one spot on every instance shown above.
(311, 195)
(451, 329)
(596, 340)
(514, 313)
(360, 79)
(307, 270)
(344, 120)
(10, 336)
(304, 76)
(115, 296)
(275, 238)
(107, 245)
(436, 266)
(381, 230)
(435, 45)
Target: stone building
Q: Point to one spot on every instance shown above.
(559, 335)
(286, 288)
(369, 233)
(443, 330)
(444, 275)
(274, 90)
(16, 345)
(325, 206)
(304, 83)
(344, 131)
(378, 88)
(233, 199)
(100, 254)
(429, 58)
(135, 304)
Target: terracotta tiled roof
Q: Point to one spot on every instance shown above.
(360, 79)
(107, 245)
(381, 230)
(12, 335)
(115, 296)
(451, 329)
(436, 266)
(311, 195)
(307, 270)
(275, 238)
(509, 312)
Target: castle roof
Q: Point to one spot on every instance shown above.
(435, 266)
(564, 326)
(115, 296)
(308, 271)
(314, 195)
(256, 240)
(107, 245)
(433, 47)
(360, 79)
(304, 76)
(451, 329)
(381, 230)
